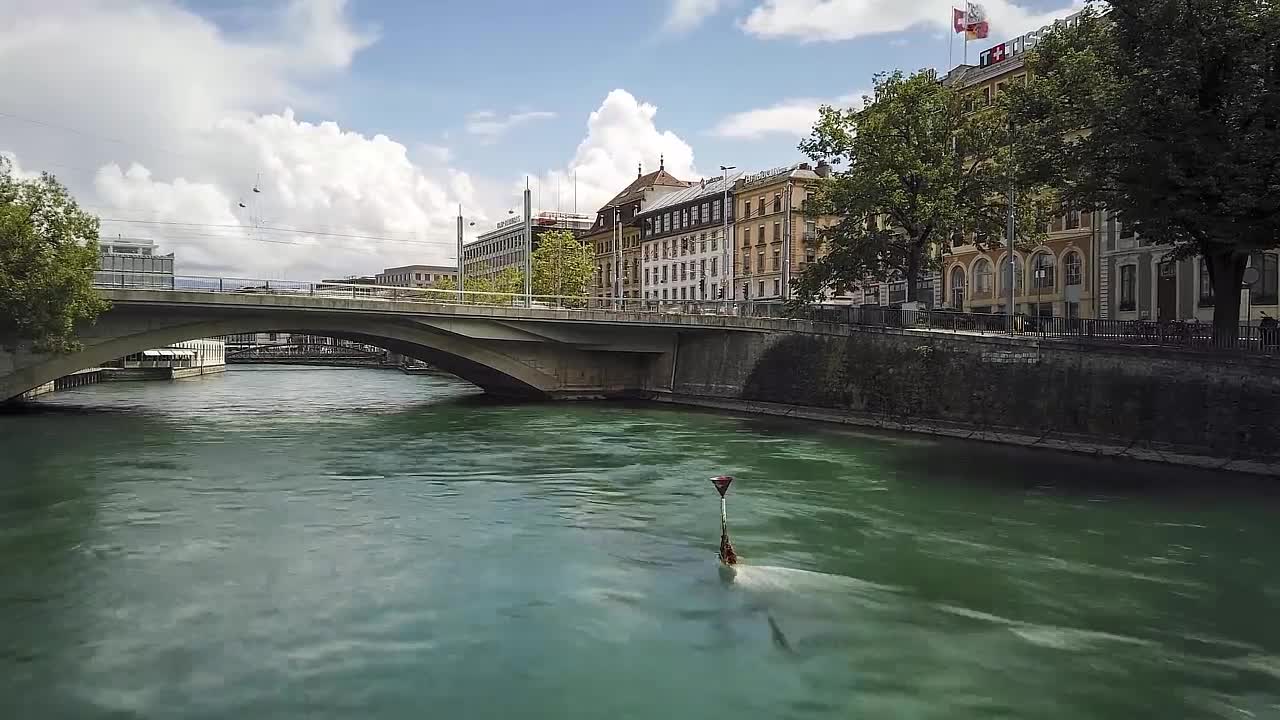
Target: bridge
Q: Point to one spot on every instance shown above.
(308, 353)
(507, 345)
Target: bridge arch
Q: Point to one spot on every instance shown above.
(494, 372)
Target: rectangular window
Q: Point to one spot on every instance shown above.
(1206, 285)
(746, 264)
(760, 261)
(746, 209)
(777, 231)
(777, 288)
(684, 294)
(713, 267)
(1264, 291)
(706, 212)
(646, 276)
(1129, 287)
(664, 294)
(684, 218)
(777, 259)
(715, 210)
(761, 238)
(684, 272)
(664, 273)
(760, 289)
(986, 96)
(746, 237)
(715, 241)
(702, 268)
(1071, 221)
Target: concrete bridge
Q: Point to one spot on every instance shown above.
(510, 351)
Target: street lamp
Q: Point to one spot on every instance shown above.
(1040, 274)
(726, 269)
(461, 276)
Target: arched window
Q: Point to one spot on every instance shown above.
(1042, 272)
(1073, 266)
(1019, 272)
(983, 277)
(1264, 291)
(957, 288)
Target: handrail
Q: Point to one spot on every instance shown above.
(1249, 338)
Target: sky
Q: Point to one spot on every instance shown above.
(310, 139)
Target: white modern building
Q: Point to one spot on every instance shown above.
(503, 247)
(133, 263)
(682, 238)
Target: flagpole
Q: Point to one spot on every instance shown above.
(951, 42)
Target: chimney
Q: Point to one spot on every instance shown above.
(662, 162)
(824, 169)
(639, 170)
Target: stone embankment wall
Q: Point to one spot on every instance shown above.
(1190, 408)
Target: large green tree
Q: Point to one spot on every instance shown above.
(1167, 114)
(919, 166)
(562, 265)
(48, 254)
(487, 290)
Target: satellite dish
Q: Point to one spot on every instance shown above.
(1251, 277)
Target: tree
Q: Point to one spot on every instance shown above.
(562, 265)
(921, 167)
(485, 290)
(1166, 113)
(48, 254)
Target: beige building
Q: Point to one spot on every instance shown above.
(1060, 276)
(619, 215)
(773, 240)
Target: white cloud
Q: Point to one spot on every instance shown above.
(151, 112)
(621, 136)
(829, 20)
(489, 126)
(793, 118)
(688, 14)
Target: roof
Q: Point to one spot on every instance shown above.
(799, 171)
(707, 188)
(635, 190)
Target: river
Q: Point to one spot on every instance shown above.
(325, 543)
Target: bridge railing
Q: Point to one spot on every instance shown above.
(1252, 338)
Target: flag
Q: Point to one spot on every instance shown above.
(959, 20)
(976, 26)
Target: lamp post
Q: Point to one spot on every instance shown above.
(1041, 274)
(462, 265)
(726, 262)
(528, 245)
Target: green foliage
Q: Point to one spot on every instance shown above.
(562, 265)
(919, 169)
(487, 291)
(48, 254)
(1166, 113)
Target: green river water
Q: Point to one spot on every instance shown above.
(325, 543)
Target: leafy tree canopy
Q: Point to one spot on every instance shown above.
(48, 254)
(1166, 113)
(919, 167)
(562, 265)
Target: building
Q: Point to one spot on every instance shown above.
(503, 247)
(618, 217)
(415, 276)
(133, 263)
(1140, 281)
(1060, 276)
(682, 236)
(773, 239)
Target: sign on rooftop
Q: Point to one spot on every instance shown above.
(1023, 43)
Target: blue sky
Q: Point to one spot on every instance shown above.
(436, 62)
(365, 124)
